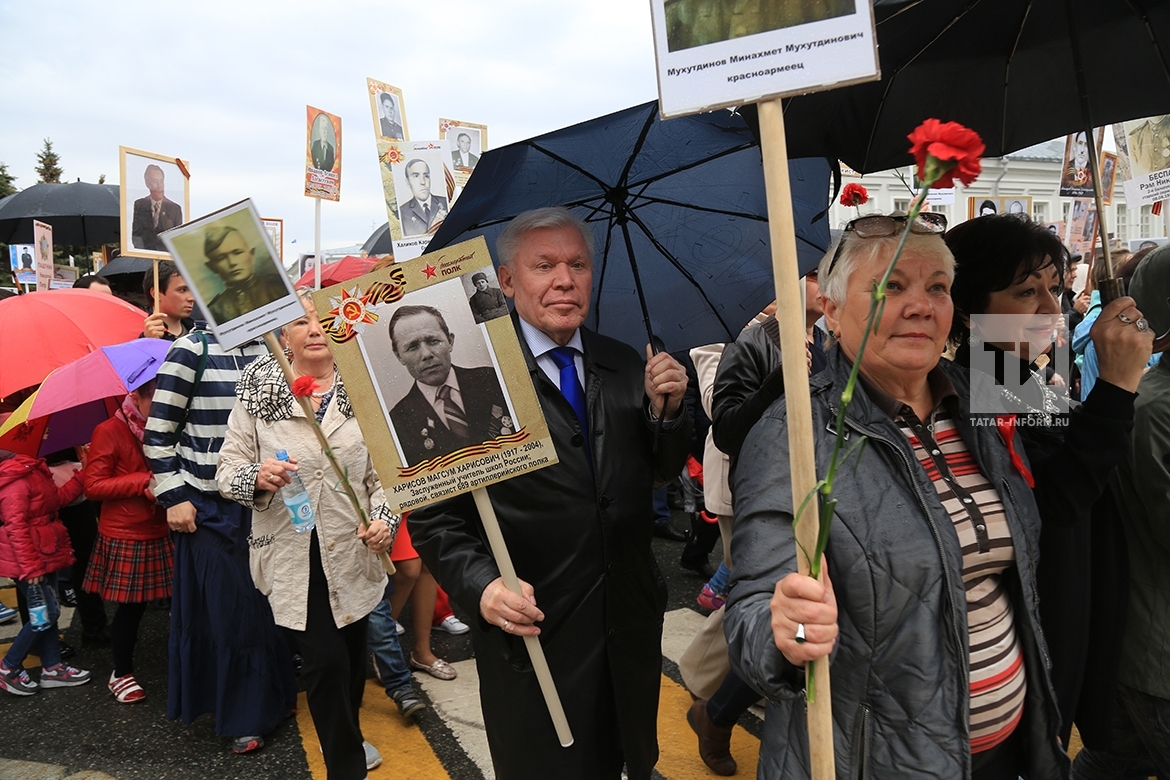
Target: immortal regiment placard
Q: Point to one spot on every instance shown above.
(979, 206)
(275, 230)
(1076, 176)
(419, 174)
(1109, 170)
(467, 141)
(1081, 226)
(710, 58)
(235, 274)
(63, 277)
(441, 391)
(43, 251)
(1143, 152)
(155, 196)
(389, 111)
(21, 257)
(322, 155)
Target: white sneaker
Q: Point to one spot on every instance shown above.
(399, 628)
(373, 757)
(452, 625)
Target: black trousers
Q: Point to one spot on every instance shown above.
(81, 522)
(334, 674)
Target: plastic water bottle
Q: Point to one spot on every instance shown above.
(296, 498)
(38, 609)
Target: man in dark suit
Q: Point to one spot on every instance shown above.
(231, 259)
(388, 121)
(424, 211)
(448, 407)
(463, 158)
(154, 213)
(578, 531)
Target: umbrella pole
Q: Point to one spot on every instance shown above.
(645, 320)
(790, 318)
(286, 367)
(154, 263)
(491, 526)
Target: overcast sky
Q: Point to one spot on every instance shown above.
(225, 84)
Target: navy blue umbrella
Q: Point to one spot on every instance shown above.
(678, 213)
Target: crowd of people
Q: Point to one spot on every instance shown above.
(995, 574)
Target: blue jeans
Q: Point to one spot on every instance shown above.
(47, 642)
(718, 583)
(661, 508)
(1141, 741)
(382, 637)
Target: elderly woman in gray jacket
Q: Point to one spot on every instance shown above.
(930, 616)
(322, 583)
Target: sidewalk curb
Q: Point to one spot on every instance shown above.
(29, 770)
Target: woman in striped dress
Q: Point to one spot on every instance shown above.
(131, 563)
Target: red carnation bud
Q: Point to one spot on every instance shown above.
(945, 151)
(854, 195)
(303, 386)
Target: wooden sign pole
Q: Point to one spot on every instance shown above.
(491, 526)
(154, 262)
(790, 318)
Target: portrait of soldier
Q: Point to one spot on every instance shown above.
(424, 210)
(448, 406)
(390, 124)
(323, 149)
(1149, 145)
(487, 302)
(462, 156)
(154, 213)
(231, 259)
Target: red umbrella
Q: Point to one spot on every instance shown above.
(348, 267)
(45, 330)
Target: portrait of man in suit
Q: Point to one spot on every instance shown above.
(231, 259)
(391, 125)
(154, 213)
(424, 210)
(324, 147)
(448, 406)
(462, 156)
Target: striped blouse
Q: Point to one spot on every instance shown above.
(996, 660)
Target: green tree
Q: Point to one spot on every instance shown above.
(6, 181)
(48, 167)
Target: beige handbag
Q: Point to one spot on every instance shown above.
(704, 664)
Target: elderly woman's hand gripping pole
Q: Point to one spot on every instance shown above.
(804, 617)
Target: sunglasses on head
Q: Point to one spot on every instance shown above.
(879, 226)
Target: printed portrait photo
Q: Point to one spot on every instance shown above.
(436, 375)
(235, 275)
(154, 198)
(1148, 141)
(465, 147)
(388, 110)
(322, 142)
(420, 187)
(692, 23)
(483, 292)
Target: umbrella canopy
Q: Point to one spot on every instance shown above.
(45, 330)
(78, 396)
(678, 212)
(380, 242)
(1006, 69)
(82, 214)
(348, 267)
(126, 265)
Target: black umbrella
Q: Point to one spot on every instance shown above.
(678, 213)
(1005, 68)
(82, 214)
(126, 265)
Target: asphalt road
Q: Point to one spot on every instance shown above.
(85, 729)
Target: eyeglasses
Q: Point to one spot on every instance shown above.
(879, 226)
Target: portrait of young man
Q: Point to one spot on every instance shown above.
(231, 259)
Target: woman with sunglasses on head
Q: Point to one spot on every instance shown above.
(928, 606)
(1009, 277)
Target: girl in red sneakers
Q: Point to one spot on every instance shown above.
(132, 561)
(34, 546)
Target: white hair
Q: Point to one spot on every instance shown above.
(860, 251)
(508, 242)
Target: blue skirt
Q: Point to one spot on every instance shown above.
(227, 656)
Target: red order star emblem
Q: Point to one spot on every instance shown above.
(430, 271)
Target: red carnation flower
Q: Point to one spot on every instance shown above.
(303, 386)
(854, 195)
(945, 151)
